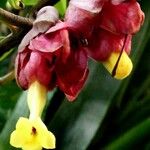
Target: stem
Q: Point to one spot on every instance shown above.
(8, 77)
(13, 19)
(15, 39)
(11, 41)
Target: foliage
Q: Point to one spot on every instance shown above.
(108, 114)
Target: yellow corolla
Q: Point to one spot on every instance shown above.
(32, 135)
(123, 68)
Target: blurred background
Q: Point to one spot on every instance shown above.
(108, 114)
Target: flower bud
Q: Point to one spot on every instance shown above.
(124, 65)
(32, 135)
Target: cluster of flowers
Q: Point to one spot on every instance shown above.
(55, 53)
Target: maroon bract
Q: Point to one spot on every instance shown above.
(105, 24)
(47, 58)
(107, 27)
(116, 25)
(81, 15)
(102, 43)
(72, 74)
(125, 17)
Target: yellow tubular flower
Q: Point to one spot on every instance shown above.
(32, 135)
(124, 66)
(36, 98)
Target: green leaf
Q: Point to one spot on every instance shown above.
(30, 2)
(139, 44)
(75, 124)
(2, 145)
(9, 93)
(130, 138)
(61, 6)
(134, 105)
(128, 118)
(21, 109)
(6, 54)
(3, 3)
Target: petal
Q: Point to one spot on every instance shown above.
(59, 26)
(124, 66)
(22, 134)
(46, 17)
(124, 18)
(46, 43)
(72, 74)
(47, 140)
(20, 62)
(20, 142)
(81, 16)
(23, 123)
(16, 139)
(73, 92)
(34, 145)
(51, 40)
(24, 128)
(32, 66)
(80, 21)
(93, 6)
(116, 2)
(47, 14)
(45, 137)
(40, 67)
(102, 43)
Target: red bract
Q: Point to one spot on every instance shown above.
(81, 15)
(115, 23)
(106, 28)
(46, 57)
(102, 43)
(72, 74)
(125, 17)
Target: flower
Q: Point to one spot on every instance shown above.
(45, 56)
(107, 48)
(32, 134)
(123, 67)
(110, 26)
(36, 99)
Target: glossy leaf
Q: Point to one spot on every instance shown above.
(30, 2)
(131, 137)
(20, 109)
(80, 120)
(3, 3)
(61, 6)
(75, 124)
